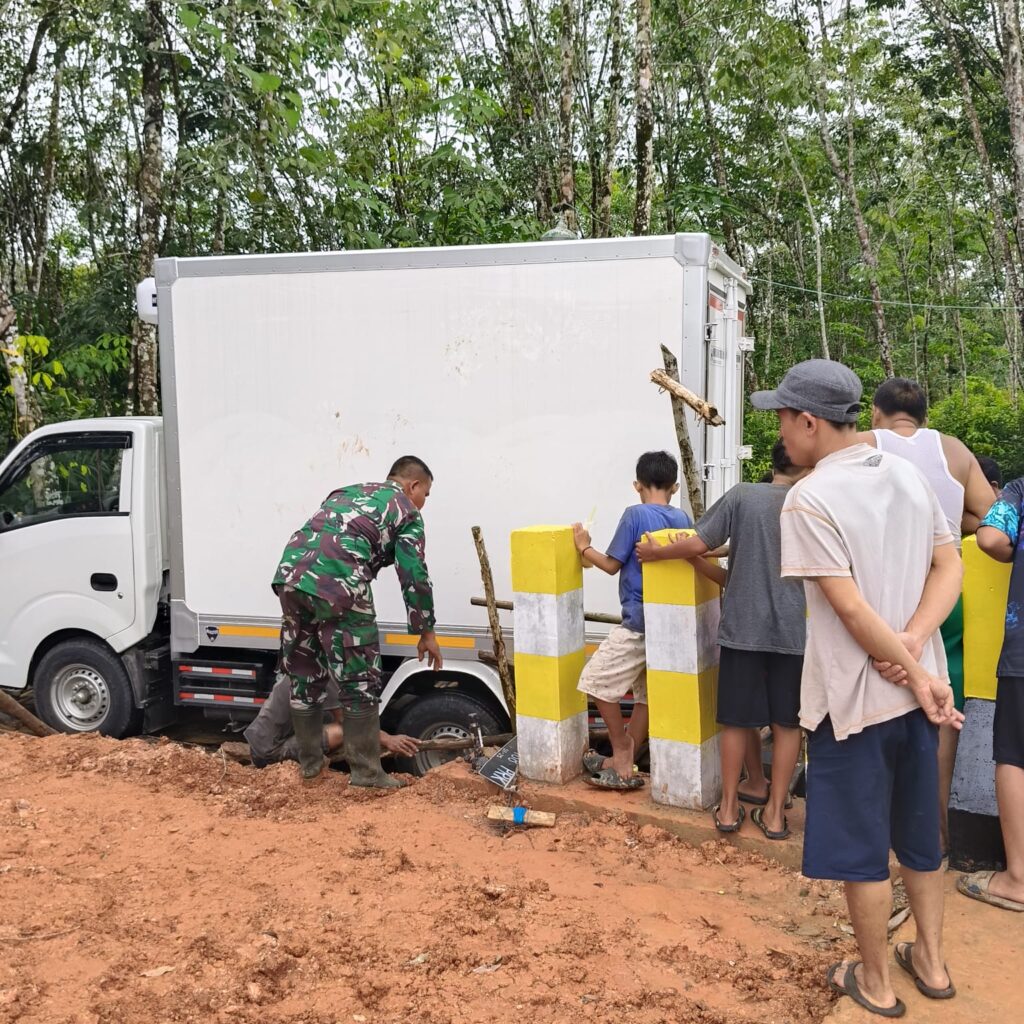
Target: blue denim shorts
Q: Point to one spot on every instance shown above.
(874, 791)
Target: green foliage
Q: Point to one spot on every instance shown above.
(986, 421)
(760, 431)
(345, 124)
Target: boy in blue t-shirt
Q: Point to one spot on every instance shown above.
(619, 664)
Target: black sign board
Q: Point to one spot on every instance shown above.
(503, 768)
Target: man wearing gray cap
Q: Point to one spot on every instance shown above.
(866, 534)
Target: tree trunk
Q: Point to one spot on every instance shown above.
(816, 229)
(732, 245)
(48, 178)
(566, 175)
(845, 177)
(1013, 289)
(1013, 86)
(644, 121)
(26, 417)
(31, 65)
(611, 123)
(143, 396)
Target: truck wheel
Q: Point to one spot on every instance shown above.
(442, 716)
(81, 686)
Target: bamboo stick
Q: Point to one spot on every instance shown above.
(506, 606)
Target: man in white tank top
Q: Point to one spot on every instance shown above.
(899, 416)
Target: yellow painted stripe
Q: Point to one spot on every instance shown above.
(986, 587)
(462, 643)
(546, 687)
(675, 581)
(271, 632)
(683, 706)
(545, 561)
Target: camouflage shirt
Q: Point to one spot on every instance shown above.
(357, 531)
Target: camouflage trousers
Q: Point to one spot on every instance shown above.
(318, 645)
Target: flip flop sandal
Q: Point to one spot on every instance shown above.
(726, 829)
(976, 887)
(757, 817)
(593, 762)
(852, 989)
(609, 778)
(905, 958)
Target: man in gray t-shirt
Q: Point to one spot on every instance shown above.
(761, 637)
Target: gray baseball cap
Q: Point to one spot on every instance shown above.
(819, 386)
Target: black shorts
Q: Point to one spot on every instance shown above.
(871, 792)
(1008, 725)
(758, 688)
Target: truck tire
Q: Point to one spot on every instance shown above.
(82, 686)
(442, 716)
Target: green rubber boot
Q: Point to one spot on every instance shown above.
(308, 723)
(362, 749)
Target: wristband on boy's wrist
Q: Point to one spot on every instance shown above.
(585, 550)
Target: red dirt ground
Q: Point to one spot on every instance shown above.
(147, 881)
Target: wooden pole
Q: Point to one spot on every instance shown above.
(690, 473)
(506, 606)
(9, 706)
(507, 684)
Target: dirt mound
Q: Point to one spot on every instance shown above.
(151, 881)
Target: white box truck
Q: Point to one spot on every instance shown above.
(136, 553)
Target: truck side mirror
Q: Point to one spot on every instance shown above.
(145, 300)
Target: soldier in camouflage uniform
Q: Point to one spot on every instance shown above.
(328, 624)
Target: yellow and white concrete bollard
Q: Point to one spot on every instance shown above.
(551, 714)
(681, 614)
(975, 839)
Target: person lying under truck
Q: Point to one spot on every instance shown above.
(271, 736)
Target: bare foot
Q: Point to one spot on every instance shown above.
(885, 999)
(729, 810)
(774, 818)
(1003, 885)
(933, 975)
(622, 760)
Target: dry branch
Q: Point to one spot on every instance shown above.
(702, 408)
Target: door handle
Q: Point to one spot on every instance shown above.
(104, 581)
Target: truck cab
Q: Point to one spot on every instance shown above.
(83, 555)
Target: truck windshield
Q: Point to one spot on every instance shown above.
(68, 482)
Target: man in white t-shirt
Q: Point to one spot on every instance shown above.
(866, 534)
